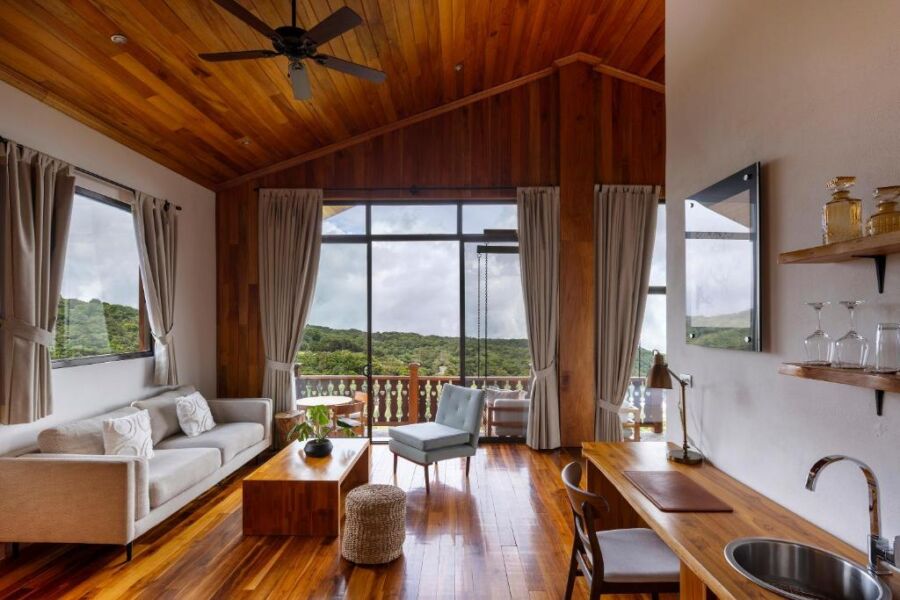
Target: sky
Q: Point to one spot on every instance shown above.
(101, 257)
(415, 285)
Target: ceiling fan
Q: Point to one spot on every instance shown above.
(298, 44)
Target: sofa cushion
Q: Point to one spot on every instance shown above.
(193, 414)
(228, 438)
(429, 436)
(174, 471)
(128, 435)
(163, 415)
(84, 436)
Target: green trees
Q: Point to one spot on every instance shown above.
(95, 328)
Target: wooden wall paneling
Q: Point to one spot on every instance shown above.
(577, 277)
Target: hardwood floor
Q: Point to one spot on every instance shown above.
(504, 533)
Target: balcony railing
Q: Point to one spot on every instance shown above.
(398, 399)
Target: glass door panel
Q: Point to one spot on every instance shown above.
(333, 354)
(415, 329)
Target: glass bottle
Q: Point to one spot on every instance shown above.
(842, 215)
(886, 218)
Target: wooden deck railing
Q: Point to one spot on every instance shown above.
(398, 399)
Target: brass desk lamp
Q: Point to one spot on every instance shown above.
(660, 377)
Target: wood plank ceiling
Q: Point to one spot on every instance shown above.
(154, 95)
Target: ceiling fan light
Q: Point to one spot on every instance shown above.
(299, 81)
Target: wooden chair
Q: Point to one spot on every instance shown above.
(353, 413)
(614, 561)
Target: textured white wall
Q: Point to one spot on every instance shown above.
(811, 89)
(88, 390)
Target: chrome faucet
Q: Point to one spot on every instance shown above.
(881, 550)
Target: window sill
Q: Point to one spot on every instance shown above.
(64, 363)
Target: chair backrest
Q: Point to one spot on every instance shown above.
(586, 509)
(461, 408)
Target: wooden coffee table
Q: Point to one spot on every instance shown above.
(295, 495)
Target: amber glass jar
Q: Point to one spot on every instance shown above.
(842, 215)
(886, 217)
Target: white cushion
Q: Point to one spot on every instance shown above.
(174, 471)
(163, 416)
(429, 436)
(636, 555)
(84, 436)
(194, 416)
(128, 436)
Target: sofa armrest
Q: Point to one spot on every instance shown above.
(69, 498)
(243, 410)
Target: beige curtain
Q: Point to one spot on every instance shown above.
(625, 225)
(37, 193)
(290, 238)
(156, 230)
(538, 209)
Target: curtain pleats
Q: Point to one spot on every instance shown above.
(538, 209)
(290, 239)
(625, 227)
(37, 193)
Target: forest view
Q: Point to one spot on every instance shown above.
(95, 328)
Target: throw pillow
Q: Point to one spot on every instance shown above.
(128, 436)
(194, 415)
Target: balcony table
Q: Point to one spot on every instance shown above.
(329, 401)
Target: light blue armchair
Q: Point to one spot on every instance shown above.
(453, 434)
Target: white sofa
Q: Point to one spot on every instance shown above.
(70, 492)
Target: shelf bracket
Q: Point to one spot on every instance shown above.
(880, 265)
(879, 402)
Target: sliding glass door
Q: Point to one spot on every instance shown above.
(412, 296)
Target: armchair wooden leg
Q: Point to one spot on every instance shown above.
(129, 551)
(573, 571)
(395, 464)
(427, 485)
(468, 458)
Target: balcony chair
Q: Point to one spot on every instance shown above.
(453, 434)
(614, 561)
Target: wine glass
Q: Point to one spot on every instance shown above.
(818, 344)
(851, 349)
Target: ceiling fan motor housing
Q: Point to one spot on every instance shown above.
(293, 43)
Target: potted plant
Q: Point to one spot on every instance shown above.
(316, 428)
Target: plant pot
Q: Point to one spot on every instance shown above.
(318, 448)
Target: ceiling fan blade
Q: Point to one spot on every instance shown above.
(242, 55)
(350, 68)
(340, 21)
(248, 17)
(300, 82)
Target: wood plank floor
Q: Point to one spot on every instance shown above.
(503, 533)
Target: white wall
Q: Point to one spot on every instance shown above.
(811, 89)
(88, 390)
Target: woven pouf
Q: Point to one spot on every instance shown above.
(375, 525)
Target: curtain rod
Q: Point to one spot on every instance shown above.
(416, 189)
(104, 179)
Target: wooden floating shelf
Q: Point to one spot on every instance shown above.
(880, 382)
(876, 247)
(864, 247)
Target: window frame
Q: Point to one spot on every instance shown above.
(143, 323)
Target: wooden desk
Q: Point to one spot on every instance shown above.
(295, 495)
(699, 539)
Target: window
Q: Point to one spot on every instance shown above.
(411, 296)
(653, 337)
(101, 315)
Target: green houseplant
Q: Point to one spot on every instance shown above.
(314, 430)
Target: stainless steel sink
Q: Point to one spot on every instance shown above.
(802, 572)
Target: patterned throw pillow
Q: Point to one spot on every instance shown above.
(194, 415)
(128, 436)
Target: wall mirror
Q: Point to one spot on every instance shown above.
(722, 266)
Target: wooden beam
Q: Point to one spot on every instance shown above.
(577, 277)
(601, 67)
(378, 131)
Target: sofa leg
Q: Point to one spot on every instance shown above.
(14, 550)
(468, 458)
(395, 464)
(129, 551)
(427, 485)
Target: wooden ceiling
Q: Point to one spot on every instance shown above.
(154, 95)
